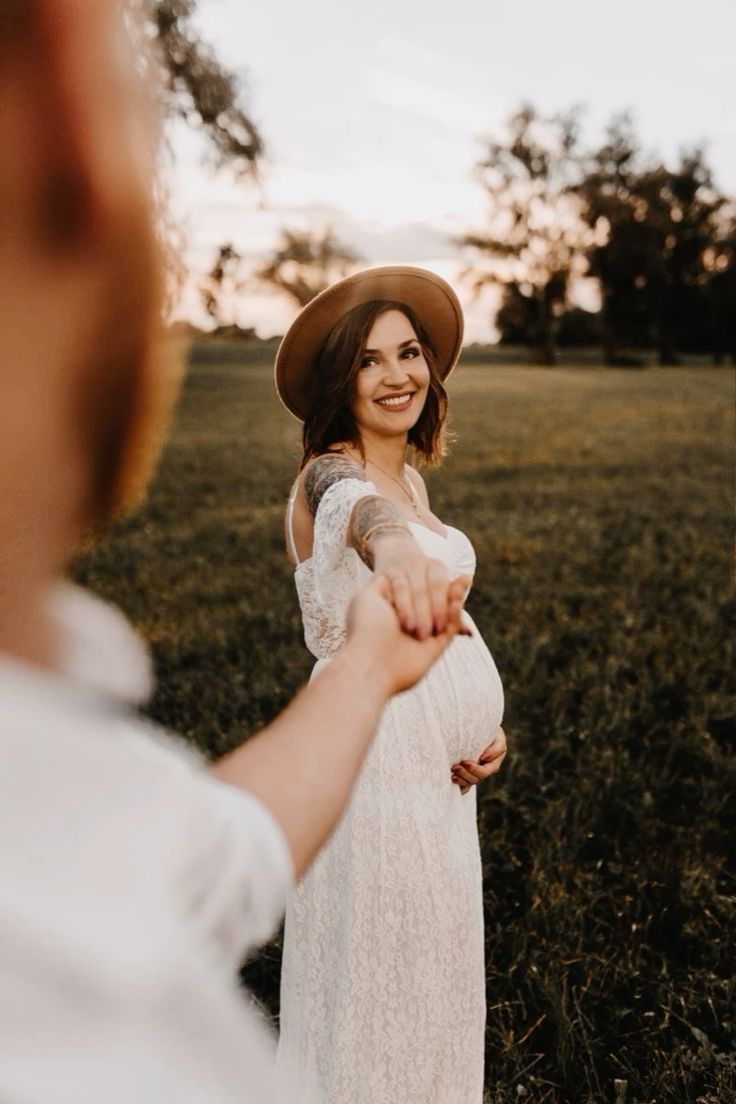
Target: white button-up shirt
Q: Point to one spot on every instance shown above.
(132, 885)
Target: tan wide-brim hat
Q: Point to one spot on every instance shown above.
(430, 297)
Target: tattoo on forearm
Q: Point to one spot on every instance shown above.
(325, 471)
(373, 518)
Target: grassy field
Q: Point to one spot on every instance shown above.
(600, 504)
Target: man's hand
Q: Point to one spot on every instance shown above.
(374, 625)
(466, 773)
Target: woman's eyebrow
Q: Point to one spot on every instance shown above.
(409, 341)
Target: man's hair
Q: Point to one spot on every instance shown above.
(128, 375)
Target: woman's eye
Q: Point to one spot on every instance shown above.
(412, 351)
(367, 362)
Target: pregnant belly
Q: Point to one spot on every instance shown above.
(465, 697)
(455, 709)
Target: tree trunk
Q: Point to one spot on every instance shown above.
(666, 346)
(667, 356)
(545, 351)
(609, 342)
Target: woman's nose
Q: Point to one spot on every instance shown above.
(396, 371)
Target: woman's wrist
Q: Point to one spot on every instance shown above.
(392, 549)
(374, 522)
(368, 541)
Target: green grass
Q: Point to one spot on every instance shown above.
(600, 504)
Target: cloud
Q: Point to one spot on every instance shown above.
(418, 240)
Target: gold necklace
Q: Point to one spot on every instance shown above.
(408, 491)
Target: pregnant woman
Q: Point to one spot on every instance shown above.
(383, 979)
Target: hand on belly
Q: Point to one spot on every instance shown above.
(466, 773)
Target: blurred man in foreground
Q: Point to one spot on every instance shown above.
(133, 882)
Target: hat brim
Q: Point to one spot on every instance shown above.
(429, 296)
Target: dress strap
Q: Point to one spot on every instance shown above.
(290, 528)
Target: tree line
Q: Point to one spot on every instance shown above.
(658, 241)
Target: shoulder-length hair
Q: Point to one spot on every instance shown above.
(331, 420)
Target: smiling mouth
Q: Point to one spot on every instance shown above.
(395, 402)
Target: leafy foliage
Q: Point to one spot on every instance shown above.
(221, 279)
(660, 241)
(199, 89)
(304, 263)
(661, 246)
(536, 239)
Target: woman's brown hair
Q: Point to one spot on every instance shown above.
(338, 364)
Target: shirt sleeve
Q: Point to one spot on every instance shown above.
(239, 871)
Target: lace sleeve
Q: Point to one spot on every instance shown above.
(335, 564)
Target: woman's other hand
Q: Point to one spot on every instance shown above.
(465, 773)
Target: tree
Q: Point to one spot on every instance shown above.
(579, 328)
(720, 263)
(654, 228)
(196, 86)
(304, 263)
(682, 207)
(221, 279)
(516, 317)
(536, 240)
(624, 246)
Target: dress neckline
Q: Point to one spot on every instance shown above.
(442, 536)
(417, 524)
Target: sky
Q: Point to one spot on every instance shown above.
(373, 116)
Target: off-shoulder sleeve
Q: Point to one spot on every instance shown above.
(336, 565)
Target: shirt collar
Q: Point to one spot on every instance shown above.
(95, 648)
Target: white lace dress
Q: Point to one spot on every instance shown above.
(383, 977)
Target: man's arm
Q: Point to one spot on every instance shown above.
(302, 767)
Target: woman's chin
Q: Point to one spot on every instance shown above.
(389, 425)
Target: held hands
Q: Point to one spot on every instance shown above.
(412, 610)
(403, 659)
(419, 588)
(466, 773)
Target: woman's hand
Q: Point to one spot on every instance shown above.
(396, 658)
(465, 773)
(419, 587)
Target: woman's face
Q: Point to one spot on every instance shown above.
(393, 379)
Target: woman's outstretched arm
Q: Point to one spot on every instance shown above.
(373, 518)
(380, 534)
